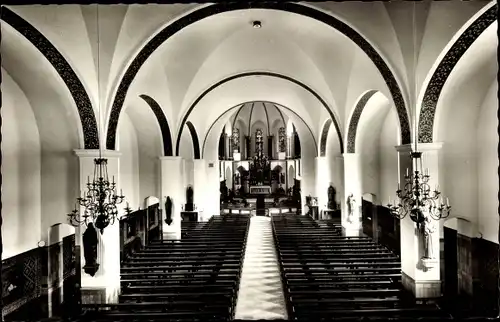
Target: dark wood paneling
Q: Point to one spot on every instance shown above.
(450, 263)
(367, 217)
(485, 275)
(21, 281)
(388, 229)
(464, 264)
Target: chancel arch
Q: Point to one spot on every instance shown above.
(252, 75)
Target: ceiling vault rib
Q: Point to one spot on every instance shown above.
(250, 120)
(236, 116)
(267, 118)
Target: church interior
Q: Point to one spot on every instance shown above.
(249, 161)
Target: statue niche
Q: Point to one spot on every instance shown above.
(90, 242)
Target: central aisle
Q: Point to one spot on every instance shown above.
(260, 293)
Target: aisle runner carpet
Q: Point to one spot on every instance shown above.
(260, 293)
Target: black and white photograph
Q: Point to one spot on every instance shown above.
(249, 160)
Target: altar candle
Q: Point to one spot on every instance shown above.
(448, 202)
(407, 173)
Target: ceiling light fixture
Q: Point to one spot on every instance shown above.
(257, 24)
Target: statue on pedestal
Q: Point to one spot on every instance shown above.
(168, 211)
(90, 242)
(427, 229)
(331, 198)
(351, 205)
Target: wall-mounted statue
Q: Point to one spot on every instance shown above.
(168, 211)
(331, 198)
(189, 199)
(90, 242)
(223, 191)
(351, 206)
(427, 229)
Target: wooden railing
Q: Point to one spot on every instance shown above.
(138, 229)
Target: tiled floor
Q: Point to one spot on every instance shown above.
(260, 292)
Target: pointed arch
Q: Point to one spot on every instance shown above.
(445, 68)
(155, 42)
(63, 68)
(194, 137)
(353, 123)
(252, 74)
(162, 121)
(324, 137)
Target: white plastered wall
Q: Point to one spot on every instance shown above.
(129, 162)
(21, 166)
(487, 159)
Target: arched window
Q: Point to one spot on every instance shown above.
(236, 139)
(282, 139)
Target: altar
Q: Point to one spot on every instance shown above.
(260, 190)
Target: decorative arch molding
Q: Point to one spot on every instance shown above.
(324, 137)
(353, 124)
(167, 32)
(63, 68)
(251, 74)
(162, 122)
(444, 69)
(243, 104)
(194, 136)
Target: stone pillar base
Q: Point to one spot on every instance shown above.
(422, 289)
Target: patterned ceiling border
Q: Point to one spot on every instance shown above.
(162, 121)
(205, 12)
(444, 69)
(353, 124)
(324, 137)
(251, 74)
(194, 137)
(63, 68)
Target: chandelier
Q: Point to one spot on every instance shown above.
(416, 199)
(100, 200)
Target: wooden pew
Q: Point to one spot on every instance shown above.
(196, 278)
(326, 274)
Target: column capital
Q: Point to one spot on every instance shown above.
(82, 153)
(350, 154)
(422, 147)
